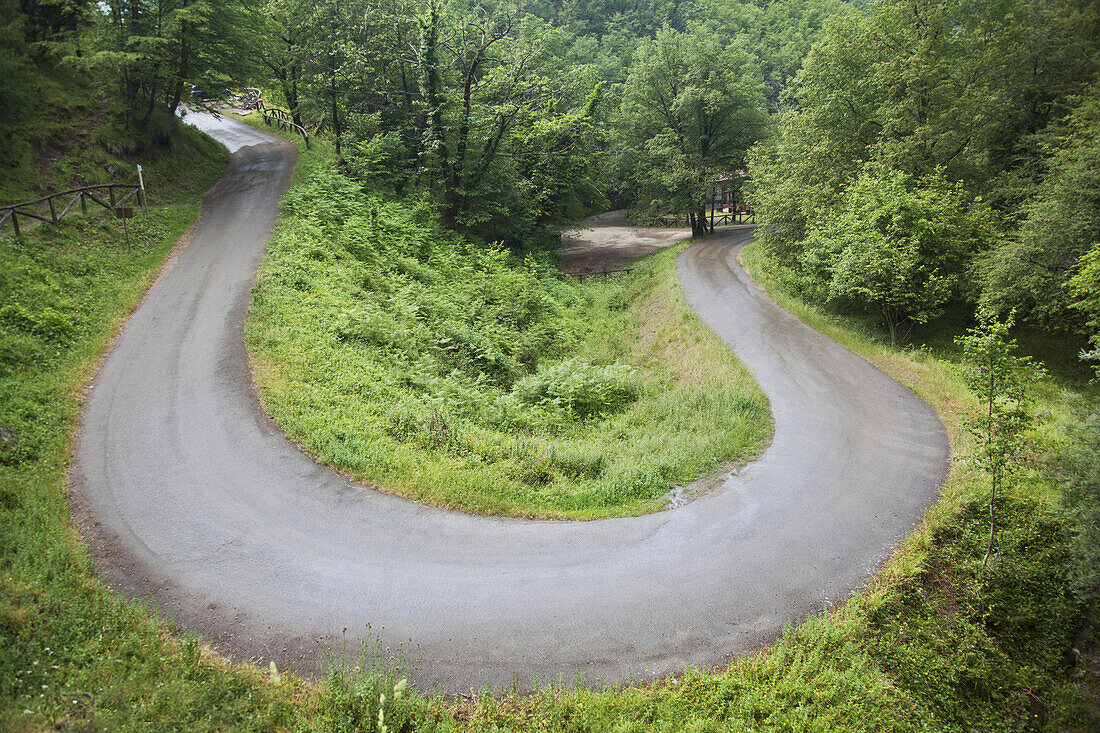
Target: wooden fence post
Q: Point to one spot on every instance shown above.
(141, 182)
(53, 210)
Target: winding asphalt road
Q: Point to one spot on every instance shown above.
(188, 496)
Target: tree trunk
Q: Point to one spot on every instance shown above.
(698, 223)
(182, 72)
(149, 109)
(335, 102)
(292, 97)
(177, 96)
(453, 200)
(336, 132)
(992, 524)
(891, 325)
(994, 468)
(433, 141)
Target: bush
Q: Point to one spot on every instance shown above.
(580, 388)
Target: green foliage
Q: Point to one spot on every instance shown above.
(778, 33)
(152, 51)
(1085, 286)
(370, 693)
(502, 114)
(1002, 382)
(72, 136)
(1080, 464)
(581, 389)
(472, 106)
(692, 106)
(931, 645)
(1043, 270)
(15, 78)
(457, 373)
(954, 91)
(900, 246)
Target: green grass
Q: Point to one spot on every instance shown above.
(72, 136)
(457, 374)
(72, 655)
(929, 645)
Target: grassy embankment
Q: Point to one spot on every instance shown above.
(929, 645)
(71, 654)
(932, 643)
(460, 375)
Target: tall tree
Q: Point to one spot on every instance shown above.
(283, 50)
(155, 49)
(1061, 222)
(692, 107)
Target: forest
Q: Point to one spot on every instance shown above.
(922, 156)
(925, 178)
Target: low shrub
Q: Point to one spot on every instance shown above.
(581, 389)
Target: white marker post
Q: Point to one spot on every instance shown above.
(141, 182)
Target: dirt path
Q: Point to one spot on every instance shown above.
(191, 498)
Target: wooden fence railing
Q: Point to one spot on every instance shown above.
(719, 220)
(37, 209)
(282, 119)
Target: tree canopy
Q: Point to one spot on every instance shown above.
(974, 95)
(691, 108)
(905, 155)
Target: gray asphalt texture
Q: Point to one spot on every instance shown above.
(190, 497)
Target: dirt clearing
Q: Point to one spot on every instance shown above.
(608, 242)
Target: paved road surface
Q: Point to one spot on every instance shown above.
(189, 496)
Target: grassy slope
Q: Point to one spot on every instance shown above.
(71, 654)
(69, 137)
(927, 646)
(409, 360)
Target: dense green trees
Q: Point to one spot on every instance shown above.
(471, 106)
(882, 135)
(778, 33)
(499, 116)
(134, 60)
(899, 246)
(961, 93)
(692, 106)
(1060, 224)
(152, 51)
(512, 119)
